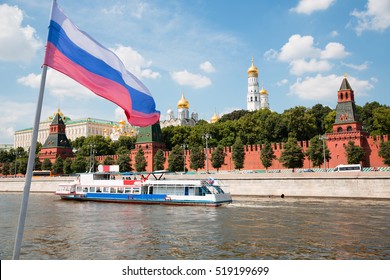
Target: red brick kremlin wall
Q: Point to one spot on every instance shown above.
(335, 144)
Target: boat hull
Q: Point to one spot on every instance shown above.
(176, 202)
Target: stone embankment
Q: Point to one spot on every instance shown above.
(343, 185)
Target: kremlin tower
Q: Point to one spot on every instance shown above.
(256, 98)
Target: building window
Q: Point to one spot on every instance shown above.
(339, 129)
(341, 96)
(349, 128)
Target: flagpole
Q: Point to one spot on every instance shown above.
(30, 167)
(31, 160)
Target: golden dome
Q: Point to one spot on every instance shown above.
(253, 71)
(122, 122)
(183, 103)
(263, 91)
(214, 118)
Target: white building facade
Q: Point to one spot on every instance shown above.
(74, 129)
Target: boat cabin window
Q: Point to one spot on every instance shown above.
(219, 189)
(85, 189)
(127, 190)
(136, 190)
(98, 189)
(79, 189)
(120, 190)
(101, 176)
(204, 190)
(92, 189)
(112, 190)
(106, 189)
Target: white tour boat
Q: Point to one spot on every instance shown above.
(108, 185)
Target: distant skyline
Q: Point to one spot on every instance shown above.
(203, 49)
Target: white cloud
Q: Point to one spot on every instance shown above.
(135, 62)
(301, 66)
(360, 67)
(325, 87)
(114, 10)
(271, 54)
(298, 47)
(282, 82)
(17, 43)
(58, 85)
(376, 17)
(309, 6)
(190, 79)
(207, 67)
(11, 114)
(302, 55)
(334, 33)
(334, 50)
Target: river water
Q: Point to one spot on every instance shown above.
(249, 228)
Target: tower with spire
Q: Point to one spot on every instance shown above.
(346, 127)
(56, 144)
(256, 98)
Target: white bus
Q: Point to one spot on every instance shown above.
(348, 168)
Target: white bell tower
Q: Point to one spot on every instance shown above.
(253, 97)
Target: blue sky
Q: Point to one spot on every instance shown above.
(202, 48)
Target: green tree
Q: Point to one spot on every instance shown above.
(67, 166)
(159, 160)
(140, 161)
(124, 163)
(292, 155)
(320, 112)
(315, 152)
(267, 155)
(22, 165)
(355, 154)
(108, 161)
(58, 166)
(46, 164)
(37, 163)
(329, 120)
(238, 154)
(381, 121)
(300, 122)
(197, 158)
(176, 159)
(6, 170)
(218, 157)
(384, 152)
(366, 115)
(122, 151)
(79, 164)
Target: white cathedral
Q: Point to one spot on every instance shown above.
(256, 98)
(183, 115)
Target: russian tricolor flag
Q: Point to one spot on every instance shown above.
(75, 54)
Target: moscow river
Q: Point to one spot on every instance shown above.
(249, 228)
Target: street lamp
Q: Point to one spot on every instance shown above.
(91, 157)
(16, 158)
(323, 138)
(185, 146)
(206, 136)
